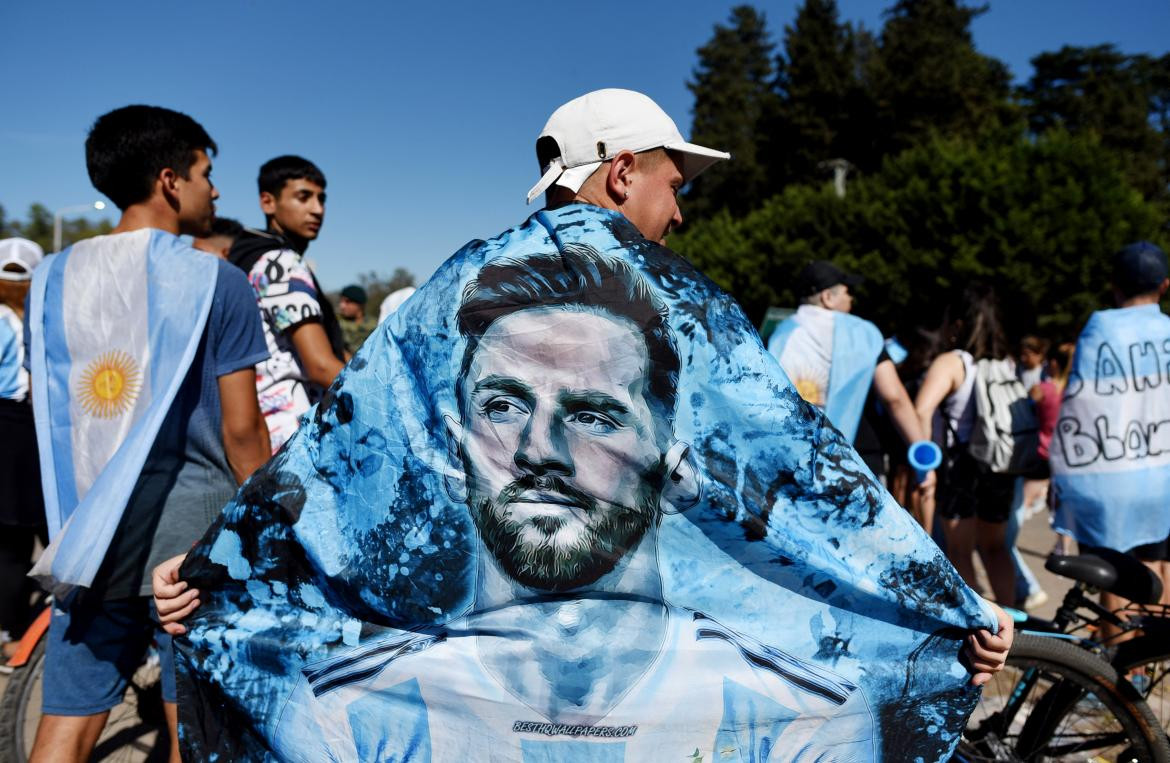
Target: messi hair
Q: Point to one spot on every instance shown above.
(576, 277)
(128, 147)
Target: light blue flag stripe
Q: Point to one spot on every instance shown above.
(55, 445)
(856, 346)
(1121, 528)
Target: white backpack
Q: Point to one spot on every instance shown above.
(1006, 436)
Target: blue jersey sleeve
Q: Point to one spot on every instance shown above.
(235, 332)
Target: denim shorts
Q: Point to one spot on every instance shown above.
(93, 649)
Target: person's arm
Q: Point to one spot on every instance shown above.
(245, 435)
(315, 353)
(942, 378)
(245, 443)
(897, 401)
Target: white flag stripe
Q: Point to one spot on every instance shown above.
(107, 333)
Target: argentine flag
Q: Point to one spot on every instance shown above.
(829, 356)
(114, 324)
(1110, 452)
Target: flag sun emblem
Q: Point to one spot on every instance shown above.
(109, 385)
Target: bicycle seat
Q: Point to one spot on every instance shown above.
(1110, 571)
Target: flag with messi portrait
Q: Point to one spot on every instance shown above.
(564, 506)
(114, 323)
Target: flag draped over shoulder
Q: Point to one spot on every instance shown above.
(830, 358)
(114, 324)
(1110, 452)
(563, 505)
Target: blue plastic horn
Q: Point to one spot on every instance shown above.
(924, 455)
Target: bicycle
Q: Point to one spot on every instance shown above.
(1143, 660)
(135, 731)
(1059, 697)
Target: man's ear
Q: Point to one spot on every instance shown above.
(267, 203)
(682, 487)
(617, 181)
(454, 480)
(168, 184)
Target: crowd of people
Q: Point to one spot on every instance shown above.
(142, 447)
(973, 504)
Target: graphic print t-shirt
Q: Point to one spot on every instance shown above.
(287, 298)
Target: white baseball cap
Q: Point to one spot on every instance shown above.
(18, 258)
(586, 131)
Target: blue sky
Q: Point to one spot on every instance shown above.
(423, 116)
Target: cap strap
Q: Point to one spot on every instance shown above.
(555, 169)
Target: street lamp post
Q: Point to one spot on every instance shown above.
(59, 215)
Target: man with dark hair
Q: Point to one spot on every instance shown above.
(355, 324)
(142, 354)
(219, 240)
(305, 343)
(124, 168)
(564, 452)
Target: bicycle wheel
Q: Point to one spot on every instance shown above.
(1145, 662)
(20, 708)
(135, 731)
(1055, 701)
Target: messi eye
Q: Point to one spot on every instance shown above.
(503, 409)
(593, 422)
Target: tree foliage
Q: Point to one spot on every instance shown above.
(821, 95)
(927, 77)
(379, 286)
(1123, 99)
(732, 85)
(1035, 218)
(38, 226)
(956, 175)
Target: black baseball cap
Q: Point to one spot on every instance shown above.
(1139, 268)
(354, 293)
(819, 275)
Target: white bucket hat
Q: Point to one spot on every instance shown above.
(18, 258)
(597, 126)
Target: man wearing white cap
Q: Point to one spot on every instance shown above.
(616, 149)
(577, 632)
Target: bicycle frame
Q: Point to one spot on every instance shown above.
(1068, 618)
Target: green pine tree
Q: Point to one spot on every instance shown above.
(1123, 99)
(928, 78)
(822, 102)
(732, 85)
